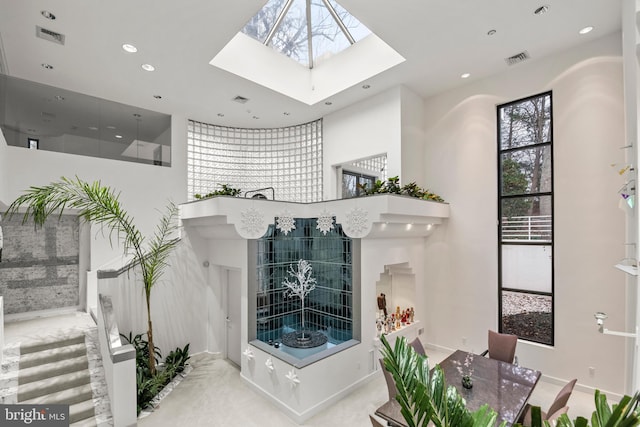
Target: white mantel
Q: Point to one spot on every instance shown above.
(376, 216)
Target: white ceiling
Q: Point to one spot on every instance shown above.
(440, 39)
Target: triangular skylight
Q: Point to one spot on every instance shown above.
(307, 31)
(256, 52)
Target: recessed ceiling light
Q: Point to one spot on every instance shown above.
(129, 48)
(93, 128)
(491, 32)
(366, 86)
(119, 136)
(465, 76)
(541, 10)
(220, 115)
(148, 67)
(586, 30)
(328, 103)
(157, 96)
(47, 66)
(111, 127)
(48, 14)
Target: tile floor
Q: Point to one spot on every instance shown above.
(213, 394)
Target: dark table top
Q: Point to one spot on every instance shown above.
(503, 386)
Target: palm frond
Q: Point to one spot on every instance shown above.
(161, 245)
(93, 203)
(423, 395)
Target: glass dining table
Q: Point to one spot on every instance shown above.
(505, 387)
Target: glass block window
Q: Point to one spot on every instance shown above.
(525, 217)
(287, 159)
(329, 307)
(377, 166)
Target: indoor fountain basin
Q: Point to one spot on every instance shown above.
(301, 357)
(304, 339)
(303, 353)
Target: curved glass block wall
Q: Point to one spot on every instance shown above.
(331, 308)
(287, 159)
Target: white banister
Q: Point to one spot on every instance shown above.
(119, 365)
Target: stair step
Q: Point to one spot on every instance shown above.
(52, 385)
(54, 369)
(81, 411)
(52, 355)
(45, 343)
(68, 396)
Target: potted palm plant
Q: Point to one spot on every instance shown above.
(98, 204)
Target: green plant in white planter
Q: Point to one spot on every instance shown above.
(100, 205)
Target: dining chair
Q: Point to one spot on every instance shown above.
(562, 397)
(418, 347)
(501, 346)
(555, 410)
(391, 384)
(554, 416)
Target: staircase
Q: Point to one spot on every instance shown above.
(63, 368)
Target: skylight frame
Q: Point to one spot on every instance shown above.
(335, 17)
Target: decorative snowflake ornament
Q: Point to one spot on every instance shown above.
(293, 378)
(285, 222)
(357, 220)
(325, 222)
(252, 221)
(269, 365)
(248, 353)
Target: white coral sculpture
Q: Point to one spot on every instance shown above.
(302, 285)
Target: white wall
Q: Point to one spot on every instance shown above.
(461, 257)
(178, 300)
(144, 189)
(412, 139)
(364, 129)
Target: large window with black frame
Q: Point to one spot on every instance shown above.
(525, 218)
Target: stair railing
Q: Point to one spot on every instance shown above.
(119, 362)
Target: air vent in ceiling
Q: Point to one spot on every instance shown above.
(517, 58)
(241, 99)
(52, 36)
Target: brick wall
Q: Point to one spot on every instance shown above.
(39, 267)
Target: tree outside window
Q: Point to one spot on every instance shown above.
(525, 188)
